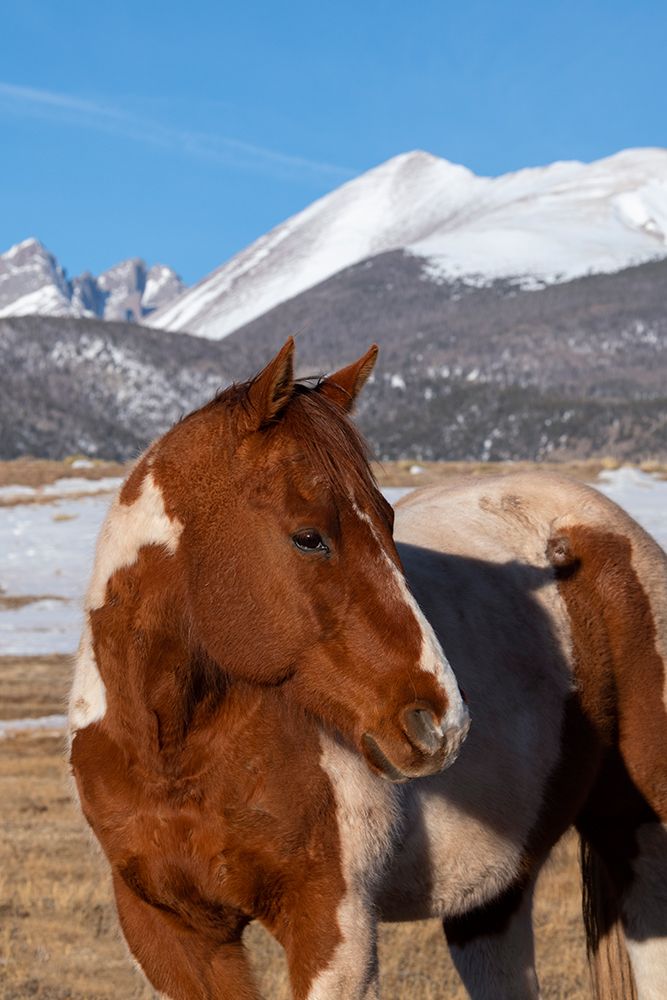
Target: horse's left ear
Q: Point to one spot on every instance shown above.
(344, 386)
(272, 389)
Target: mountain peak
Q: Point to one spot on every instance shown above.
(32, 282)
(27, 244)
(543, 224)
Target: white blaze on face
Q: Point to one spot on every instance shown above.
(126, 530)
(432, 660)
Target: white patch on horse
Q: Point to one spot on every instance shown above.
(453, 859)
(432, 659)
(126, 530)
(644, 909)
(88, 701)
(366, 817)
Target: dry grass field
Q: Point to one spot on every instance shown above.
(58, 933)
(39, 472)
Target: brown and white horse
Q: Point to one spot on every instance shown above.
(551, 603)
(255, 665)
(249, 640)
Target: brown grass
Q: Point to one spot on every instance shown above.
(31, 686)
(58, 932)
(14, 602)
(399, 474)
(38, 472)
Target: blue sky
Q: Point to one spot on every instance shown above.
(181, 132)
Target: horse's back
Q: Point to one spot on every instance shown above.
(552, 530)
(507, 510)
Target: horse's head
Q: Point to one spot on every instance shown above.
(293, 578)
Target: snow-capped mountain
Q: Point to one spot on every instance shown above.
(32, 282)
(539, 225)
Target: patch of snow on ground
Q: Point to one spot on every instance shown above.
(16, 492)
(641, 495)
(61, 487)
(47, 551)
(10, 727)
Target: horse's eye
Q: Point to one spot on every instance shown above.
(310, 540)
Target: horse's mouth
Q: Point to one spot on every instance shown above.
(418, 763)
(380, 762)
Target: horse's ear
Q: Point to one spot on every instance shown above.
(344, 386)
(272, 389)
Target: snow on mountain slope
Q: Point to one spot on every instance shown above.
(32, 283)
(541, 224)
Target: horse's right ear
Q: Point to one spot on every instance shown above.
(271, 390)
(344, 386)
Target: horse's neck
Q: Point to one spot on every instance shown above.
(158, 683)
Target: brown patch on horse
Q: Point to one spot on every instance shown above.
(207, 837)
(178, 961)
(618, 666)
(131, 488)
(619, 670)
(509, 506)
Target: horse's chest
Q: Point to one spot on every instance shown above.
(208, 849)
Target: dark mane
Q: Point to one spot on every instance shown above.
(331, 444)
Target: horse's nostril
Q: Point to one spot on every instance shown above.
(423, 730)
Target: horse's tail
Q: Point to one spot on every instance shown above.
(608, 959)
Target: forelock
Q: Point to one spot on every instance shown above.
(326, 438)
(330, 444)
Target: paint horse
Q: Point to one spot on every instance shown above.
(249, 641)
(261, 801)
(551, 603)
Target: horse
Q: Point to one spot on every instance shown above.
(264, 802)
(551, 603)
(248, 638)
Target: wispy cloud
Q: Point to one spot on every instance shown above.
(83, 113)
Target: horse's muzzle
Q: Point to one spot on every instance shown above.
(425, 747)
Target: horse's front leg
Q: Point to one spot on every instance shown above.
(493, 949)
(180, 962)
(332, 949)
